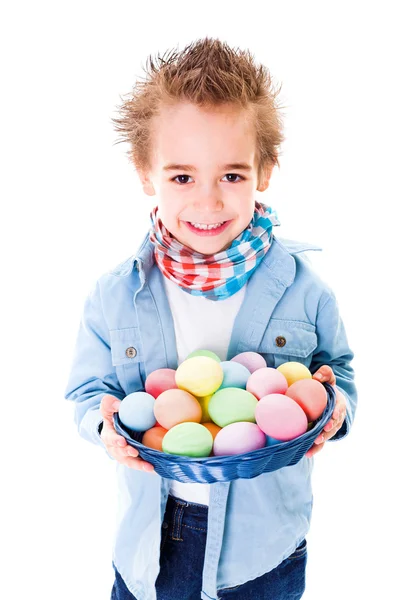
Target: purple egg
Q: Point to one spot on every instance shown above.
(238, 438)
(251, 360)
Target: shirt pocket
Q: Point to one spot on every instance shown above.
(126, 357)
(288, 340)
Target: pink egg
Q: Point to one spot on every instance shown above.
(280, 417)
(311, 395)
(159, 381)
(251, 360)
(238, 438)
(176, 406)
(266, 381)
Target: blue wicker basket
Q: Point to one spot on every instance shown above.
(227, 468)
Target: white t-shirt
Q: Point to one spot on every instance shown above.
(200, 324)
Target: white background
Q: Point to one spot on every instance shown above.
(72, 208)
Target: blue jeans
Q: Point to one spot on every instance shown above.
(183, 542)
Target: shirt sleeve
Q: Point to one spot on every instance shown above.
(92, 374)
(333, 350)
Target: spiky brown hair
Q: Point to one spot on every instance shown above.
(207, 73)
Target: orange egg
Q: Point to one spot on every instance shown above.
(212, 428)
(311, 395)
(152, 438)
(176, 406)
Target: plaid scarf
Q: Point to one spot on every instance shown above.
(215, 276)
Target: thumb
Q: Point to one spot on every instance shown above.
(109, 405)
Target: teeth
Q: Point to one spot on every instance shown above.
(203, 226)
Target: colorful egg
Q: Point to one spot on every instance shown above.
(251, 360)
(231, 405)
(293, 371)
(208, 353)
(266, 381)
(159, 381)
(238, 438)
(280, 417)
(176, 406)
(204, 402)
(188, 439)
(235, 374)
(212, 428)
(310, 395)
(136, 411)
(152, 438)
(200, 375)
(272, 441)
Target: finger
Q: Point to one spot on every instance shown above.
(110, 437)
(337, 425)
(109, 405)
(130, 451)
(331, 433)
(329, 425)
(138, 464)
(314, 450)
(336, 420)
(325, 374)
(320, 439)
(129, 457)
(127, 452)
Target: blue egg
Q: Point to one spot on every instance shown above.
(235, 375)
(136, 411)
(272, 441)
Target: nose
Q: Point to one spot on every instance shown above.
(209, 203)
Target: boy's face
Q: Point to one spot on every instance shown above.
(212, 188)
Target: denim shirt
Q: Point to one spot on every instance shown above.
(253, 524)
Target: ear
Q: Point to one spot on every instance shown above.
(265, 177)
(146, 182)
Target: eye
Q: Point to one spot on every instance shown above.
(233, 175)
(180, 182)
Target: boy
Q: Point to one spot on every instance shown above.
(204, 133)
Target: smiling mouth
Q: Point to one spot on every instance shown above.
(207, 228)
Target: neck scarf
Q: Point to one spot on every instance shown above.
(214, 276)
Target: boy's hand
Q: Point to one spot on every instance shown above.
(116, 444)
(325, 374)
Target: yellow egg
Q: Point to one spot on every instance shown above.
(204, 402)
(200, 376)
(293, 371)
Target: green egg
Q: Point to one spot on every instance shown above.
(208, 353)
(188, 439)
(231, 405)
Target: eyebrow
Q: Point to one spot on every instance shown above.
(178, 167)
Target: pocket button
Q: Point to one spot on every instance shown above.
(131, 352)
(280, 341)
